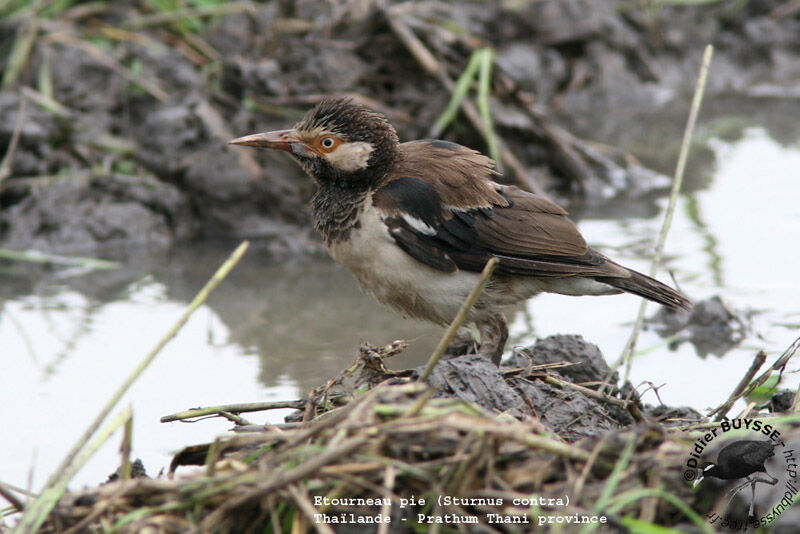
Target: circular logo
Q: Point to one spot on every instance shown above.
(751, 459)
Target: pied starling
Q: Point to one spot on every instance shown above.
(416, 222)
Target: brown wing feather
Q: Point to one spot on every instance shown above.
(461, 176)
(443, 208)
(530, 226)
(521, 224)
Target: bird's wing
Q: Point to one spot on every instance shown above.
(757, 453)
(442, 207)
(747, 452)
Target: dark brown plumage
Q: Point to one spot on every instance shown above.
(416, 222)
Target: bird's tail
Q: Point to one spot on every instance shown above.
(649, 288)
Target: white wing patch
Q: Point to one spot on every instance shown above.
(418, 225)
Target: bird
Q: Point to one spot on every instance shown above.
(416, 222)
(741, 459)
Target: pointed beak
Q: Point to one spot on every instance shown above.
(279, 140)
(285, 140)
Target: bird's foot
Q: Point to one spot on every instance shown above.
(494, 334)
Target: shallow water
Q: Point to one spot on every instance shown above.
(273, 331)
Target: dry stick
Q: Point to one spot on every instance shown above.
(65, 466)
(450, 333)
(233, 408)
(5, 166)
(745, 386)
(722, 410)
(307, 508)
(779, 365)
(125, 448)
(8, 494)
(627, 353)
(598, 395)
(435, 68)
(587, 467)
(386, 507)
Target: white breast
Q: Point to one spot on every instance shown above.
(395, 278)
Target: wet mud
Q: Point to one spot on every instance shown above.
(123, 143)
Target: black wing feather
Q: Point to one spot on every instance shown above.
(466, 239)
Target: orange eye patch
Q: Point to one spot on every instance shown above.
(327, 143)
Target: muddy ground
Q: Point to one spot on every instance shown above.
(122, 145)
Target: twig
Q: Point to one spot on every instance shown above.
(386, 508)
(779, 366)
(5, 166)
(18, 57)
(598, 395)
(459, 319)
(236, 419)
(8, 495)
(125, 448)
(48, 103)
(627, 353)
(304, 504)
(34, 256)
(722, 410)
(587, 467)
(70, 464)
(233, 408)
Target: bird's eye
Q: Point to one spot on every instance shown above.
(327, 142)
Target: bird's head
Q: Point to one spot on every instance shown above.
(339, 143)
(706, 469)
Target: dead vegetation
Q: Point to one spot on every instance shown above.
(374, 442)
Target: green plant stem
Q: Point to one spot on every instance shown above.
(459, 94)
(484, 92)
(627, 353)
(36, 511)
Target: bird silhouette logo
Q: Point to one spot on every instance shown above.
(743, 458)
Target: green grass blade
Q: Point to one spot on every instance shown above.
(34, 256)
(485, 61)
(36, 511)
(459, 93)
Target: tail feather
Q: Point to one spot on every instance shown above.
(649, 288)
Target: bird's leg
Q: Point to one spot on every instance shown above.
(770, 482)
(735, 491)
(755, 480)
(494, 333)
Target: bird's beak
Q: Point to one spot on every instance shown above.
(285, 140)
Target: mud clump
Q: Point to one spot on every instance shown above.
(155, 111)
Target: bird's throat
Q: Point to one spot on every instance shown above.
(335, 211)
